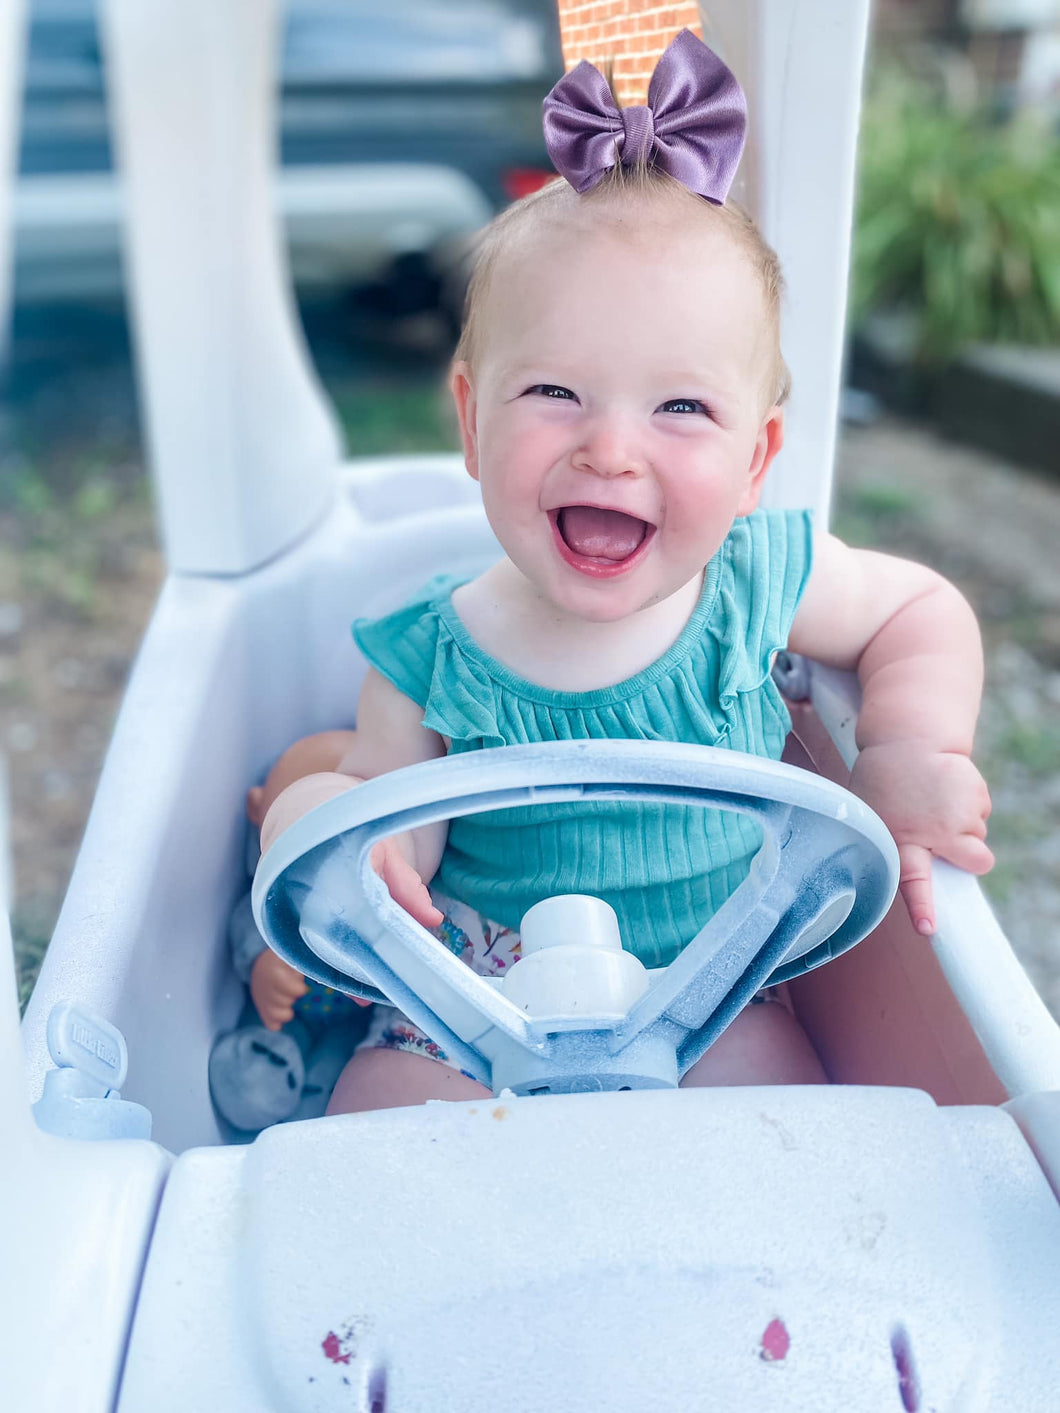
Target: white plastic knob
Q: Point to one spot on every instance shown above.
(572, 961)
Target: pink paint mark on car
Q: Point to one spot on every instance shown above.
(775, 1342)
(332, 1347)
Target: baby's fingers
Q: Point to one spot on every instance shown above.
(406, 886)
(968, 851)
(414, 896)
(915, 886)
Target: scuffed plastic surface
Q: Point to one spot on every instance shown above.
(621, 1252)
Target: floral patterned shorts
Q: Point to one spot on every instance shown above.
(487, 947)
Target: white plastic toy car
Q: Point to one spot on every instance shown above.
(888, 1241)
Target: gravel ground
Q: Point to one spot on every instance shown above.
(79, 571)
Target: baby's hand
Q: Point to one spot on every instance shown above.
(274, 988)
(934, 803)
(406, 886)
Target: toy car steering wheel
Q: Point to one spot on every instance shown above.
(824, 876)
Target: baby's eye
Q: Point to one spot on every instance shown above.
(553, 391)
(684, 405)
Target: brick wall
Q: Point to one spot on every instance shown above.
(632, 33)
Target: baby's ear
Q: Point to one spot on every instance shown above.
(768, 442)
(460, 385)
(256, 805)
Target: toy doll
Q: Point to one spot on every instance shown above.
(294, 1035)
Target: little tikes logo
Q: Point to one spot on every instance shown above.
(94, 1043)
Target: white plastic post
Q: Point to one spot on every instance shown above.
(242, 442)
(572, 961)
(801, 66)
(12, 49)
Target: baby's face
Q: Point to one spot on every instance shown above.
(615, 415)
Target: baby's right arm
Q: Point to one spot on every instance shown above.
(390, 734)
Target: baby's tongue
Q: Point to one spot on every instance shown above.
(600, 534)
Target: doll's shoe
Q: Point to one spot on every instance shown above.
(256, 1076)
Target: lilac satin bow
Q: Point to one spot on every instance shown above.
(693, 127)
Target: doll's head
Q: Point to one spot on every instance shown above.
(619, 386)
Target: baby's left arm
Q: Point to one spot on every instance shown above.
(915, 644)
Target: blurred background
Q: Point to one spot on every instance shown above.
(402, 129)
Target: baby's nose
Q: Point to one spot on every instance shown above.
(610, 449)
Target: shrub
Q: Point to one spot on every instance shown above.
(958, 222)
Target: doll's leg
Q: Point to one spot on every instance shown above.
(764, 1045)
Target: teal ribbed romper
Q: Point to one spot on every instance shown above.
(664, 869)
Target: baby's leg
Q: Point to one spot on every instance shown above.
(396, 1064)
(391, 1079)
(764, 1045)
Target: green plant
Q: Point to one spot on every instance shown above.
(1036, 748)
(876, 515)
(958, 222)
(31, 930)
(379, 420)
(883, 499)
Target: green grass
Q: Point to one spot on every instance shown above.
(31, 926)
(1001, 883)
(1036, 748)
(884, 499)
(874, 515)
(62, 522)
(380, 421)
(1019, 749)
(1017, 829)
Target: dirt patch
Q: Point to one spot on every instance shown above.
(76, 592)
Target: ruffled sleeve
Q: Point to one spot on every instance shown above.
(765, 566)
(401, 645)
(462, 701)
(416, 650)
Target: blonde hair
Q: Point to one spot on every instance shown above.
(622, 187)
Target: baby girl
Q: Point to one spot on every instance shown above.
(620, 391)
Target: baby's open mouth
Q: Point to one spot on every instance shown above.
(606, 536)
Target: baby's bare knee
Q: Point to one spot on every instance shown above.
(764, 1045)
(395, 1079)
